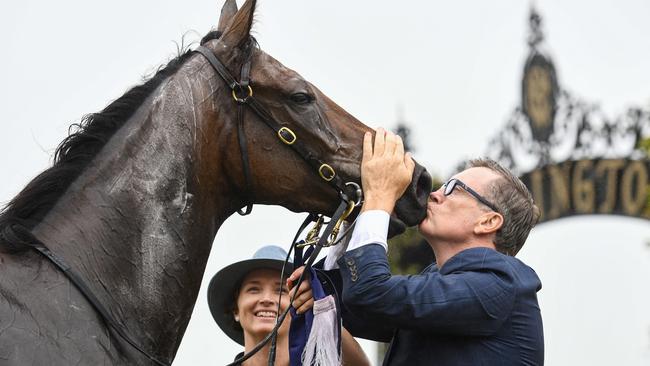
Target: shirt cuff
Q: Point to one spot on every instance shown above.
(371, 228)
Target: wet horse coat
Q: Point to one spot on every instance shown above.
(136, 197)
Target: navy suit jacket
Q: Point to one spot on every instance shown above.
(480, 308)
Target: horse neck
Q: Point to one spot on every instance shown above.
(139, 222)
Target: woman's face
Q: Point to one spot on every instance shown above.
(257, 304)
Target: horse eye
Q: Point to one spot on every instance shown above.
(301, 98)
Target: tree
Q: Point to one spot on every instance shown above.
(408, 252)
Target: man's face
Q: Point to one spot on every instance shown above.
(451, 218)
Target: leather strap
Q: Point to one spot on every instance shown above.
(218, 66)
(308, 263)
(19, 233)
(241, 89)
(243, 145)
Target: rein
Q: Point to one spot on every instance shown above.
(339, 215)
(242, 93)
(18, 233)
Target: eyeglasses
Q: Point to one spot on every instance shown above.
(451, 184)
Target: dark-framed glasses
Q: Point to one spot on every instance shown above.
(451, 184)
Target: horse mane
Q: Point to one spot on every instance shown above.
(77, 150)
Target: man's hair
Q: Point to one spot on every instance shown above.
(515, 203)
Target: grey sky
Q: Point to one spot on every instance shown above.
(452, 67)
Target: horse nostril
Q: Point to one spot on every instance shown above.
(423, 186)
(412, 206)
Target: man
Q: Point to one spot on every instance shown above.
(477, 305)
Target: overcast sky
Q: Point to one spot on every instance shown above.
(452, 68)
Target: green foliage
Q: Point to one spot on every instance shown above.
(409, 253)
(644, 145)
(646, 210)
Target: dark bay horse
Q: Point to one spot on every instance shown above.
(135, 198)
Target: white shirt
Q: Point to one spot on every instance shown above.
(371, 227)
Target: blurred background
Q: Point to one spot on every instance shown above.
(448, 72)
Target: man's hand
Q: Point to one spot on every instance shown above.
(304, 299)
(386, 170)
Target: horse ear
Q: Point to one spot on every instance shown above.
(238, 31)
(228, 11)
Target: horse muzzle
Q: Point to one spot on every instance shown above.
(411, 208)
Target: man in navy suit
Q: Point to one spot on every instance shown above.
(477, 304)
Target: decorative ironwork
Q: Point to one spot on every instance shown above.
(536, 35)
(552, 126)
(405, 133)
(580, 130)
(539, 91)
(403, 130)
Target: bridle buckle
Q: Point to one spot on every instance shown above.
(326, 172)
(313, 237)
(241, 88)
(286, 135)
(337, 227)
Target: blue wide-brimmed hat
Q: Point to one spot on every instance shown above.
(224, 285)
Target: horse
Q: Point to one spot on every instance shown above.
(136, 195)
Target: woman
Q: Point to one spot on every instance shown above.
(243, 299)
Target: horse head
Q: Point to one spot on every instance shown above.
(136, 195)
(280, 175)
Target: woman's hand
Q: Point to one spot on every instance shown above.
(304, 299)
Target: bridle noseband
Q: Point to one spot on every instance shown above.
(242, 93)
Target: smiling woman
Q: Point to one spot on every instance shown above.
(244, 299)
(453, 67)
(137, 193)
(254, 309)
(244, 296)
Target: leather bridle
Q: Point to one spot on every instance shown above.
(242, 93)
